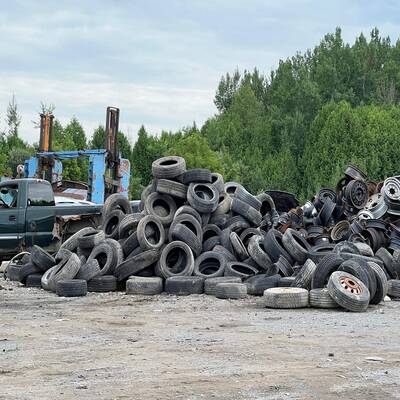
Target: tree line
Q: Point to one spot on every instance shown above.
(294, 129)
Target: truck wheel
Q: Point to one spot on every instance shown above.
(116, 201)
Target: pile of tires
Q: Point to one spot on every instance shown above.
(195, 233)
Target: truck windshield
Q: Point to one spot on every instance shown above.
(8, 196)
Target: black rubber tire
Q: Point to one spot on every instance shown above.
(176, 260)
(231, 290)
(197, 175)
(247, 234)
(105, 256)
(355, 268)
(157, 239)
(296, 245)
(184, 285)
(210, 284)
(251, 214)
(304, 277)
(225, 239)
(210, 230)
(104, 283)
(240, 269)
(41, 258)
(182, 233)
(46, 277)
(203, 197)
(318, 252)
(394, 288)
(62, 254)
(381, 284)
(286, 281)
(372, 284)
(224, 204)
(34, 280)
(238, 247)
(258, 283)
(12, 272)
(320, 298)
(267, 204)
(242, 194)
(168, 167)
(71, 288)
(116, 201)
(346, 247)
(174, 189)
(66, 269)
(227, 254)
(274, 246)
(118, 253)
(26, 270)
(327, 265)
(210, 265)
(88, 270)
(151, 188)
(130, 244)
(344, 293)
(129, 224)
(71, 243)
(364, 249)
(286, 297)
(134, 265)
(284, 267)
(387, 260)
(210, 243)
(218, 181)
(161, 206)
(149, 286)
(231, 187)
(236, 224)
(111, 224)
(91, 239)
(205, 219)
(257, 252)
(184, 210)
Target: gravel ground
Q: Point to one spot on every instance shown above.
(116, 346)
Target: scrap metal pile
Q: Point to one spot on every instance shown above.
(196, 234)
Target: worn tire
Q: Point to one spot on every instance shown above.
(175, 189)
(274, 246)
(224, 204)
(184, 285)
(326, 266)
(168, 167)
(296, 245)
(12, 272)
(88, 270)
(71, 288)
(67, 269)
(111, 224)
(176, 260)
(239, 269)
(197, 175)
(320, 298)
(27, 270)
(354, 268)
(134, 265)
(394, 288)
(286, 281)
(242, 194)
(258, 253)
(182, 233)
(203, 197)
(304, 277)
(348, 291)
(157, 239)
(104, 254)
(387, 260)
(285, 297)
(41, 258)
(162, 207)
(34, 280)
(258, 283)
(91, 239)
(238, 247)
(251, 214)
(218, 181)
(210, 265)
(116, 201)
(227, 254)
(231, 290)
(210, 284)
(129, 224)
(144, 285)
(104, 283)
(381, 284)
(72, 243)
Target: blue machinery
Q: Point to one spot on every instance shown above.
(108, 172)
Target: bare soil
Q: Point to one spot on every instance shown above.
(116, 346)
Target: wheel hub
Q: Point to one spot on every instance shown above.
(350, 285)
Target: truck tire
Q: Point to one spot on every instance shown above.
(286, 297)
(91, 239)
(88, 270)
(168, 167)
(176, 260)
(144, 285)
(116, 201)
(239, 269)
(230, 290)
(41, 258)
(348, 291)
(111, 224)
(104, 283)
(71, 288)
(210, 265)
(210, 284)
(355, 269)
(134, 265)
(387, 260)
(320, 298)
(71, 243)
(184, 285)
(34, 280)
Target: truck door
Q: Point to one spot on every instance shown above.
(12, 217)
(40, 214)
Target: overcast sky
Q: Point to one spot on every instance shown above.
(158, 61)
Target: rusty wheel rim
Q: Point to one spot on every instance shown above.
(350, 285)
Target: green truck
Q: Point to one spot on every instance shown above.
(29, 215)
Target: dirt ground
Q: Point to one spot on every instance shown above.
(117, 346)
